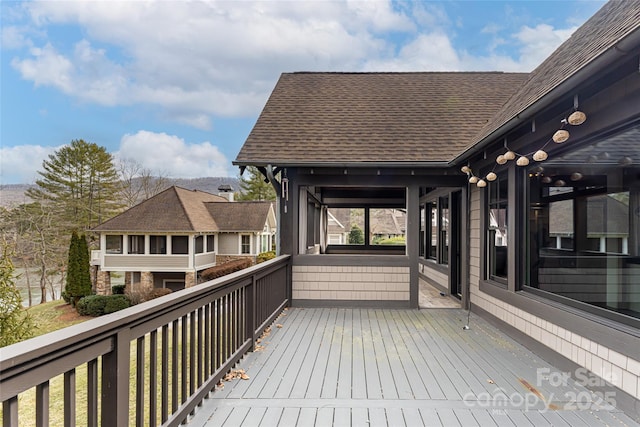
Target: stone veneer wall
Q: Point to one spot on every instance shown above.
(189, 279)
(366, 283)
(620, 370)
(103, 282)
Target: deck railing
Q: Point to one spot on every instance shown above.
(151, 364)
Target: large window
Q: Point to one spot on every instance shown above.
(437, 229)
(158, 244)
(199, 244)
(179, 245)
(584, 216)
(497, 237)
(211, 242)
(136, 244)
(114, 244)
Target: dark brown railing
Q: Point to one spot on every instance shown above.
(151, 364)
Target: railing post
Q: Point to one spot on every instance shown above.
(250, 328)
(115, 382)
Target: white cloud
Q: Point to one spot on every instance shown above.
(197, 60)
(171, 155)
(21, 163)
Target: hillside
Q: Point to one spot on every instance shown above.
(12, 195)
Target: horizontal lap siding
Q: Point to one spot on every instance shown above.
(351, 283)
(436, 276)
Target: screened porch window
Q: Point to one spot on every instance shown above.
(585, 225)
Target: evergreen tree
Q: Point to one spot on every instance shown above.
(356, 236)
(15, 322)
(78, 283)
(84, 269)
(80, 184)
(254, 187)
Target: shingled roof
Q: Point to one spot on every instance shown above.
(348, 118)
(240, 216)
(611, 24)
(173, 210)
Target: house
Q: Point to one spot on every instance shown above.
(167, 240)
(521, 193)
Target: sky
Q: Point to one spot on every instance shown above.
(176, 86)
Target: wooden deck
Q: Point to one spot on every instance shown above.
(379, 367)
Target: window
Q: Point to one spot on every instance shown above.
(136, 244)
(211, 242)
(432, 242)
(245, 244)
(435, 238)
(158, 244)
(423, 230)
(387, 226)
(443, 208)
(179, 245)
(114, 244)
(497, 238)
(346, 226)
(199, 243)
(585, 226)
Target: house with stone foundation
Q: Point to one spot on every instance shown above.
(167, 240)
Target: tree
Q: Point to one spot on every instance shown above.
(78, 282)
(37, 243)
(254, 187)
(15, 322)
(80, 184)
(356, 236)
(138, 183)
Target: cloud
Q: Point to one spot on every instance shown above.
(21, 163)
(172, 156)
(194, 61)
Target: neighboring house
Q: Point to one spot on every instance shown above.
(478, 226)
(167, 240)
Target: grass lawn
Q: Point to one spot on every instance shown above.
(54, 315)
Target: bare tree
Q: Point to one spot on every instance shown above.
(138, 182)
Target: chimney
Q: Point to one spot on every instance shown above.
(226, 191)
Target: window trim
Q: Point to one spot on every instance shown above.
(242, 235)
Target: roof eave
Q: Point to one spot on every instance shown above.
(598, 64)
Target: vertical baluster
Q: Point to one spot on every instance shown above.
(193, 325)
(42, 404)
(140, 382)
(165, 374)
(207, 341)
(174, 366)
(70, 398)
(199, 346)
(217, 336)
(10, 412)
(92, 393)
(184, 348)
(153, 378)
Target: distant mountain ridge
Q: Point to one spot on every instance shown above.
(12, 195)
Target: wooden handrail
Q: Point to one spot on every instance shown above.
(203, 332)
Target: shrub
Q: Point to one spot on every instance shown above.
(138, 295)
(265, 256)
(118, 289)
(97, 305)
(115, 303)
(157, 293)
(65, 297)
(226, 268)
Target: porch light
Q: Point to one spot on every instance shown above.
(625, 161)
(509, 155)
(491, 176)
(482, 183)
(546, 180)
(576, 118)
(522, 161)
(560, 136)
(501, 160)
(540, 156)
(576, 176)
(560, 183)
(465, 169)
(473, 179)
